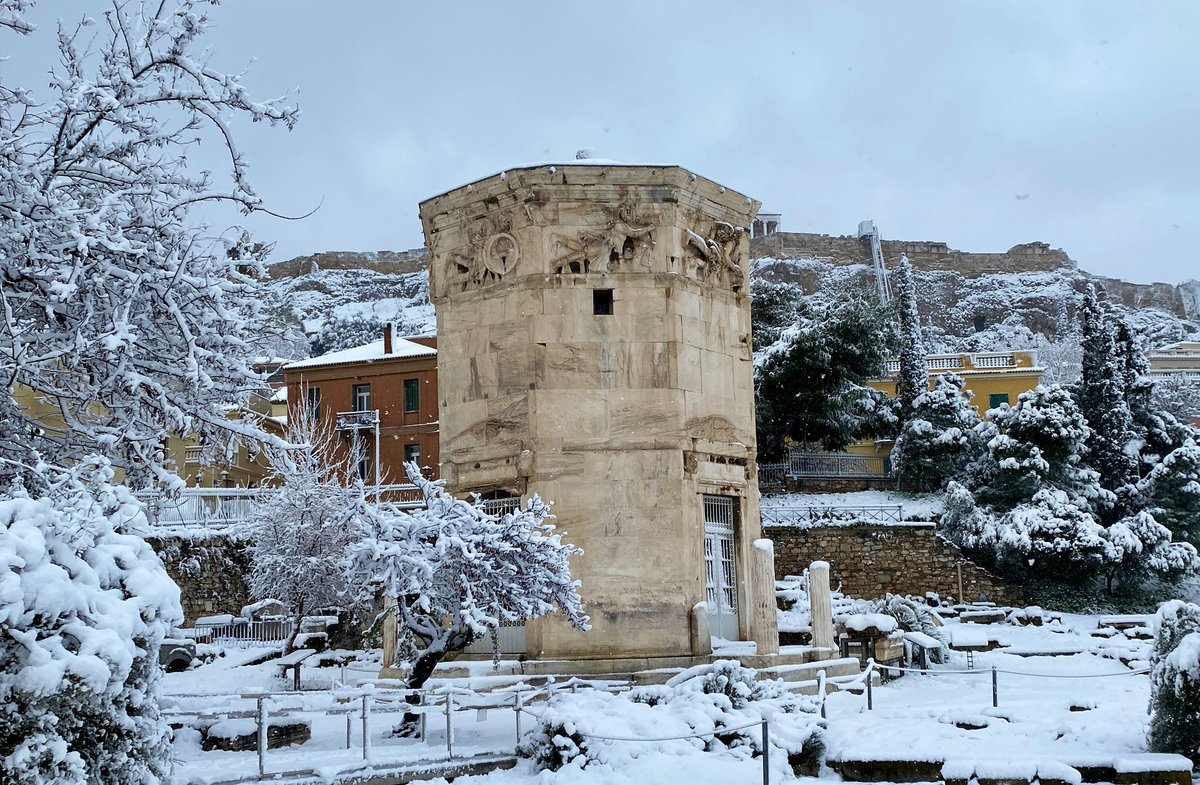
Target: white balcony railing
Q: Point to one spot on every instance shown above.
(994, 360)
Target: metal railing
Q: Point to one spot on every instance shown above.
(790, 516)
(244, 632)
(222, 508)
(772, 475)
(349, 421)
(837, 464)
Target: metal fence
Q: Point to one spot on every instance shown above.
(837, 464)
(244, 632)
(221, 508)
(791, 516)
(772, 475)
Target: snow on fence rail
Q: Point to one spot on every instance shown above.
(221, 508)
(837, 464)
(238, 631)
(804, 515)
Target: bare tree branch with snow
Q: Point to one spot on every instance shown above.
(115, 309)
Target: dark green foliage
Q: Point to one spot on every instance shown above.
(914, 374)
(1175, 681)
(809, 386)
(774, 307)
(1173, 490)
(1101, 395)
(1040, 443)
(940, 439)
(345, 333)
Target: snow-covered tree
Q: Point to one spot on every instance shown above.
(457, 572)
(810, 385)
(1038, 443)
(914, 375)
(119, 310)
(1173, 490)
(1179, 397)
(774, 308)
(1051, 536)
(84, 609)
(1175, 680)
(300, 527)
(345, 332)
(1138, 544)
(940, 439)
(1101, 398)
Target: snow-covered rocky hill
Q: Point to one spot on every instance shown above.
(968, 302)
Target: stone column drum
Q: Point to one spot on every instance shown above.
(594, 347)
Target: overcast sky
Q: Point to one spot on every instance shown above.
(979, 124)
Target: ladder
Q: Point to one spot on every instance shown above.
(882, 283)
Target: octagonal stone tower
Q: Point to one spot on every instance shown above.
(594, 347)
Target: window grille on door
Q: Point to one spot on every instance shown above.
(720, 570)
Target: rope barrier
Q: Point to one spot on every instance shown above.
(1017, 673)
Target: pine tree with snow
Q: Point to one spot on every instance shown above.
(1052, 536)
(914, 375)
(303, 521)
(457, 572)
(940, 439)
(1138, 545)
(810, 386)
(1037, 444)
(1173, 490)
(85, 607)
(1101, 397)
(1175, 681)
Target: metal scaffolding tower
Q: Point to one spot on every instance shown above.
(882, 283)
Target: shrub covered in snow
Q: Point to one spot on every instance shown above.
(702, 700)
(83, 608)
(910, 616)
(1175, 681)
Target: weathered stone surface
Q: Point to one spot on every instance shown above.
(210, 572)
(279, 734)
(595, 319)
(870, 561)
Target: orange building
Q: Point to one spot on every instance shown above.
(383, 394)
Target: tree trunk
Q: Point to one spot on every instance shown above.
(297, 620)
(422, 669)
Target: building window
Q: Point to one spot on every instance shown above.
(602, 302)
(996, 400)
(362, 397)
(412, 395)
(364, 466)
(412, 453)
(313, 403)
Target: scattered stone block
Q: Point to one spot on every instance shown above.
(242, 735)
(982, 617)
(869, 770)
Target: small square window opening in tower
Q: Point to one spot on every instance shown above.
(602, 302)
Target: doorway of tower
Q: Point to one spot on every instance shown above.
(720, 566)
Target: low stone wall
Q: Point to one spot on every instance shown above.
(210, 572)
(869, 561)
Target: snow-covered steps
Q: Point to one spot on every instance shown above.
(1066, 769)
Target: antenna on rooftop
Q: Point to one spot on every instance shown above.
(882, 284)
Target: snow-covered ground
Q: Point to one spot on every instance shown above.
(1064, 695)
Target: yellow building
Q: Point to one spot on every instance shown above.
(994, 378)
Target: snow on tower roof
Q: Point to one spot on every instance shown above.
(367, 353)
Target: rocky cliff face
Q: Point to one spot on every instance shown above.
(969, 301)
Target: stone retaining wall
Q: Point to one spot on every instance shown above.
(872, 560)
(211, 573)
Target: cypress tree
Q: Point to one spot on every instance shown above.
(914, 375)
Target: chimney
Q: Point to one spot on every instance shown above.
(387, 338)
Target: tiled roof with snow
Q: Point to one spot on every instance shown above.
(367, 353)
